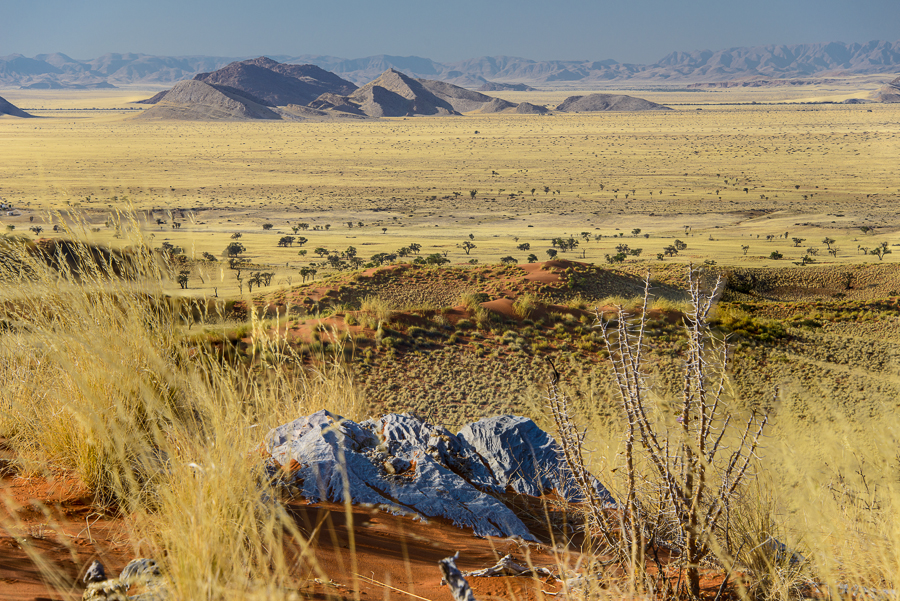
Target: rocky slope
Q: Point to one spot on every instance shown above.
(7, 108)
(608, 102)
(198, 101)
(271, 83)
(890, 92)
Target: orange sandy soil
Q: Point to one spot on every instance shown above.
(395, 556)
(56, 521)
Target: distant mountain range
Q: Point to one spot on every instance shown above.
(774, 61)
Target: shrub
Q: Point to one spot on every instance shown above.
(688, 486)
(525, 305)
(465, 324)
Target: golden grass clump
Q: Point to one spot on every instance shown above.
(98, 379)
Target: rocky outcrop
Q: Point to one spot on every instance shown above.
(409, 465)
(141, 577)
(199, 101)
(608, 102)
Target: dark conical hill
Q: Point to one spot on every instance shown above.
(7, 108)
(394, 94)
(271, 83)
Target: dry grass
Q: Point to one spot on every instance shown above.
(99, 380)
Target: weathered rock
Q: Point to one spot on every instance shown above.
(412, 466)
(112, 590)
(95, 573)
(140, 571)
(445, 478)
(459, 587)
(523, 457)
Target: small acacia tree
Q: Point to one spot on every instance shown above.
(880, 250)
(680, 479)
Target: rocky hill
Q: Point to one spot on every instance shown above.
(608, 102)
(198, 101)
(772, 61)
(270, 83)
(393, 94)
(7, 108)
(890, 92)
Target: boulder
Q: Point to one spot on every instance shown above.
(411, 466)
(524, 458)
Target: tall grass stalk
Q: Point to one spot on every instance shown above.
(98, 379)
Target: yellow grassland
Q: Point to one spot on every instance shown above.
(809, 170)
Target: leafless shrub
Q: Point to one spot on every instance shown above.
(681, 470)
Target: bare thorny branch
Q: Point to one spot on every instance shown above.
(695, 482)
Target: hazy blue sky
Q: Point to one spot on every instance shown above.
(639, 31)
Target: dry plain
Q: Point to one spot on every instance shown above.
(733, 173)
(719, 173)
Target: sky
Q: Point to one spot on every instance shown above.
(628, 31)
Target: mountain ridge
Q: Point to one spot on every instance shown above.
(770, 61)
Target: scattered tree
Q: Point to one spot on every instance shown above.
(267, 226)
(286, 241)
(436, 259)
(798, 242)
(234, 249)
(880, 250)
(508, 260)
(551, 253)
(182, 279)
(776, 255)
(745, 248)
(532, 258)
(524, 246)
(468, 246)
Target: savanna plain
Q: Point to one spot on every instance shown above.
(172, 291)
